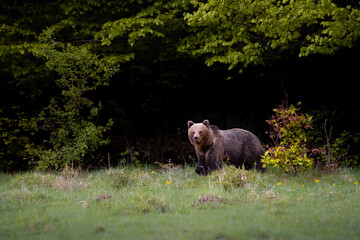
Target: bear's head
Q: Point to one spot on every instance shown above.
(199, 133)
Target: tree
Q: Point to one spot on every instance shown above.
(70, 44)
(253, 31)
(153, 32)
(70, 121)
(53, 41)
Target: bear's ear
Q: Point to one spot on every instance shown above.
(190, 123)
(206, 123)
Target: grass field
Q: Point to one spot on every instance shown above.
(175, 203)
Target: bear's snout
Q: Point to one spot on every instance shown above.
(196, 139)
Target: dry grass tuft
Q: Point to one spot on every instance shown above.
(71, 179)
(103, 197)
(212, 198)
(270, 195)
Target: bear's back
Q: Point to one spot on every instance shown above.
(240, 146)
(234, 134)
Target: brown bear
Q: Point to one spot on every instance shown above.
(214, 147)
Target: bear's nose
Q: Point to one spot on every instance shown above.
(196, 138)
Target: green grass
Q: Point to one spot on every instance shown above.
(171, 203)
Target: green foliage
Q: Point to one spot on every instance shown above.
(120, 178)
(336, 150)
(71, 128)
(247, 32)
(45, 44)
(151, 19)
(231, 32)
(130, 156)
(288, 131)
(128, 176)
(336, 146)
(14, 139)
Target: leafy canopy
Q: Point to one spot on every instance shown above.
(244, 32)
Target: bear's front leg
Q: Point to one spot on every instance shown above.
(213, 161)
(201, 167)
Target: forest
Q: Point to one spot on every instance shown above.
(96, 84)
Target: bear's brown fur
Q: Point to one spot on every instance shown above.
(214, 147)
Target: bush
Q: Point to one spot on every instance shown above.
(14, 137)
(68, 123)
(288, 132)
(232, 178)
(337, 147)
(120, 178)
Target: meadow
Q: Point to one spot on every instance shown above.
(172, 202)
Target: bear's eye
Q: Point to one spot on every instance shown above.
(193, 132)
(200, 132)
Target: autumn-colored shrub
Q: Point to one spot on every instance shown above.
(288, 132)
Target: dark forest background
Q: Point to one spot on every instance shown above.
(154, 65)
